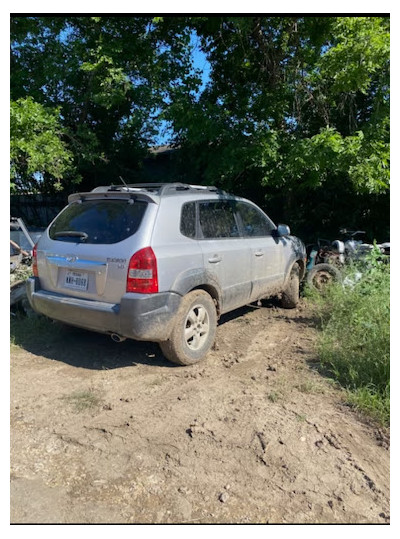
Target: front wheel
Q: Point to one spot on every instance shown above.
(194, 331)
(291, 295)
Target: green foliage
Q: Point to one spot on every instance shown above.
(348, 86)
(296, 108)
(359, 50)
(37, 149)
(355, 341)
(329, 153)
(295, 101)
(108, 77)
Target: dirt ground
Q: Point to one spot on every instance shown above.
(112, 433)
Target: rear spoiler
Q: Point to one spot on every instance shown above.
(113, 195)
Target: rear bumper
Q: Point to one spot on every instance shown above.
(143, 317)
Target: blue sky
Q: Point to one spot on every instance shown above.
(199, 62)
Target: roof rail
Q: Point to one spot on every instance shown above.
(160, 189)
(170, 188)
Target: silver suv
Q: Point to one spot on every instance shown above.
(161, 262)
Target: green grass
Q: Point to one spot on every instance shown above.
(310, 387)
(33, 330)
(274, 396)
(84, 400)
(354, 344)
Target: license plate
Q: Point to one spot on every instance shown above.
(76, 280)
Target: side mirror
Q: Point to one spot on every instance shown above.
(282, 230)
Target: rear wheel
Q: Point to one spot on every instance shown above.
(194, 330)
(291, 294)
(322, 275)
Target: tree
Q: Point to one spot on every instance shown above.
(37, 152)
(297, 98)
(296, 108)
(299, 105)
(109, 77)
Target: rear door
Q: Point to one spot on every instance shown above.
(87, 249)
(266, 250)
(226, 255)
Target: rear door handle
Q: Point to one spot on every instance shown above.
(259, 253)
(215, 259)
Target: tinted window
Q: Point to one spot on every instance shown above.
(103, 221)
(255, 223)
(188, 220)
(217, 220)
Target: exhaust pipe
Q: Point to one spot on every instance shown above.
(117, 338)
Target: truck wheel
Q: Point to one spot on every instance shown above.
(291, 294)
(194, 330)
(322, 275)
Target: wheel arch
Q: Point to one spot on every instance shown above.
(199, 280)
(213, 292)
(302, 268)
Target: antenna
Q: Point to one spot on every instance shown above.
(122, 180)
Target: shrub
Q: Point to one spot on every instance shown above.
(354, 344)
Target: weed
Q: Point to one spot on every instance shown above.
(155, 382)
(84, 400)
(354, 344)
(310, 387)
(273, 396)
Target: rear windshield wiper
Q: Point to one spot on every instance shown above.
(71, 234)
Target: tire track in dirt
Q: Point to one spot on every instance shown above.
(253, 434)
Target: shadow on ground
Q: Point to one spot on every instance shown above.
(85, 349)
(42, 336)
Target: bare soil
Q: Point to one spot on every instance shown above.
(113, 433)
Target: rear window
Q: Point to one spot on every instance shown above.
(98, 221)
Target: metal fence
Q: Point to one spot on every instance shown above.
(37, 210)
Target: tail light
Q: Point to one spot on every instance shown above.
(142, 272)
(34, 261)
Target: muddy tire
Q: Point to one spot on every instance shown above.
(322, 275)
(194, 330)
(291, 294)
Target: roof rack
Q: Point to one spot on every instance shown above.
(160, 189)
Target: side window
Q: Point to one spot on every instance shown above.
(255, 223)
(188, 220)
(217, 220)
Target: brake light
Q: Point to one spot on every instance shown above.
(34, 261)
(142, 272)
